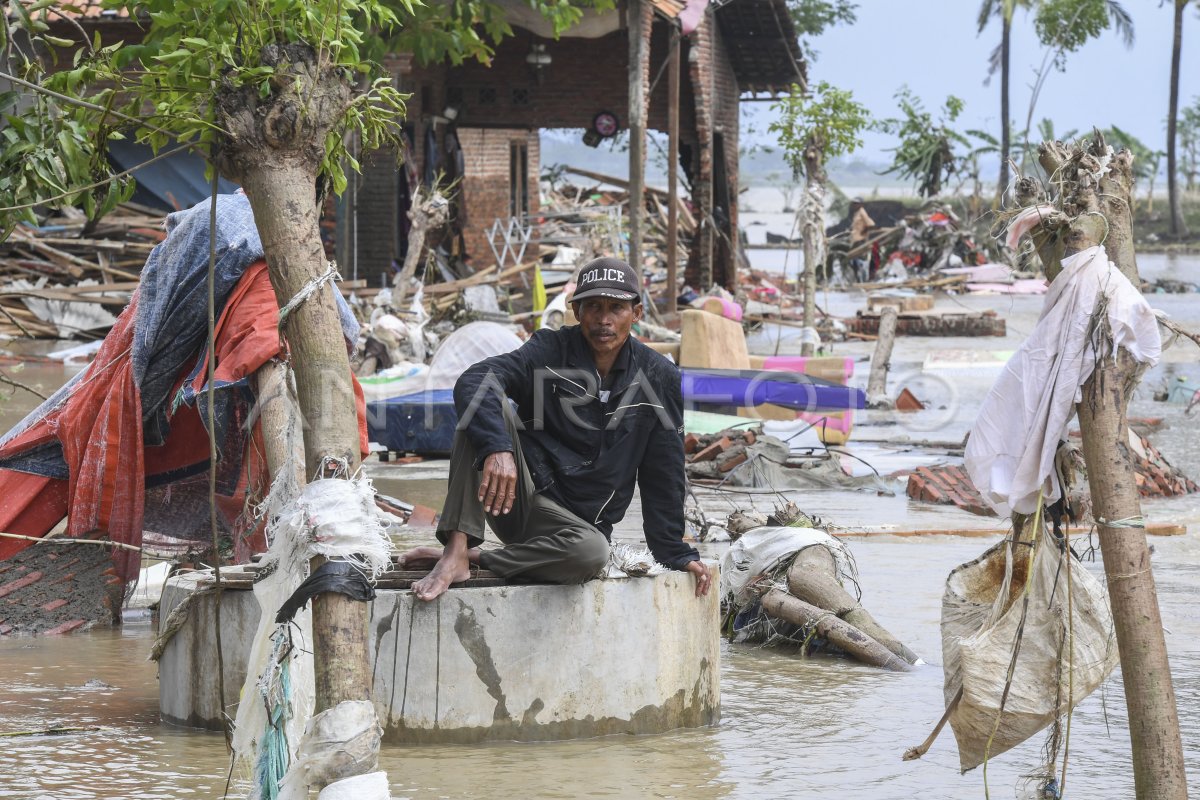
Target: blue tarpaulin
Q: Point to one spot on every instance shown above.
(172, 184)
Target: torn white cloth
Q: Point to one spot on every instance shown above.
(1010, 454)
(1026, 221)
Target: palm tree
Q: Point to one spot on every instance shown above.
(1005, 10)
(1178, 227)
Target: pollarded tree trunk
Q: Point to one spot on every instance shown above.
(1096, 211)
(274, 150)
(812, 227)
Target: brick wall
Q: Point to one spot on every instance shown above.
(487, 153)
(509, 98)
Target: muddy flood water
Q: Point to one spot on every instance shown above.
(790, 727)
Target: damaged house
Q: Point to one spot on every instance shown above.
(478, 124)
(475, 127)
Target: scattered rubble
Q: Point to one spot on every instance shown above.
(950, 484)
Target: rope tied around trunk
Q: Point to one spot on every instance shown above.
(306, 291)
(1127, 522)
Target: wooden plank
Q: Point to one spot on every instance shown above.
(1152, 529)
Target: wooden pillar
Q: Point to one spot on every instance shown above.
(699, 67)
(673, 170)
(638, 44)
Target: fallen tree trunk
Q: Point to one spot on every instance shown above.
(813, 579)
(785, 607)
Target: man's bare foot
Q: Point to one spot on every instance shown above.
(452, 567)
(420, 557)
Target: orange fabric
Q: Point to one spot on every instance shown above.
(30, 505)
(100, 428)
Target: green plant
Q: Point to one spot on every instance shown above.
(177, 84)
(1189, 144)
(927, 152)
(828, 118)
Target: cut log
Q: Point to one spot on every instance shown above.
(785, 607)
(813, 579)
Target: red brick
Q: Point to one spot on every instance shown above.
(907, 401)
(422, 517)
(70, 576)
(750, 437)
(66, 627)
(690, 444)
(53, 604)
(734, 462)
(19, 583)
(713, 450)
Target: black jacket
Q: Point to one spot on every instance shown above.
(584, 443)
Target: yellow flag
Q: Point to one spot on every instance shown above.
(539, 293)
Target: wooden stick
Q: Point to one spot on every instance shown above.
(913, 753)
(70, 540)
(55, 731)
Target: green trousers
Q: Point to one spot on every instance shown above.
(543, 542)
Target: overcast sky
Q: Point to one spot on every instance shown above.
(931, 46)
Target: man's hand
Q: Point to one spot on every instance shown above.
(703, 576)
(498, 489)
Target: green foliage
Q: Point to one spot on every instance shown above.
(927, 153)
(162, 89)
(829, 118)
(47, 149)
(1188, 131)
(814, 17)
(1067, 25)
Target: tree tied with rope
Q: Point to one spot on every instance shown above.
(273, 92)
(1091, 189)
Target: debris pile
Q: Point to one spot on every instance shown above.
(907, 247)
(69, 277)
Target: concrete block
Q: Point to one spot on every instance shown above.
(524, 663)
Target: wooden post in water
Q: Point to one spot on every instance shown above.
(673, 171)
(1095, 209)
(877, 396)
(637, 127)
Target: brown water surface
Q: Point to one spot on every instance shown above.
(791, 727)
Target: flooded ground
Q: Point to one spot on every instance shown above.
(807, 728)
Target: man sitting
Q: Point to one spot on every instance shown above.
(595, 411)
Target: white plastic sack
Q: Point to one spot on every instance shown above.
(981, 610)
(335, 741)
(372, 786)
(761, 550)
(468, 345)
(333, 517)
